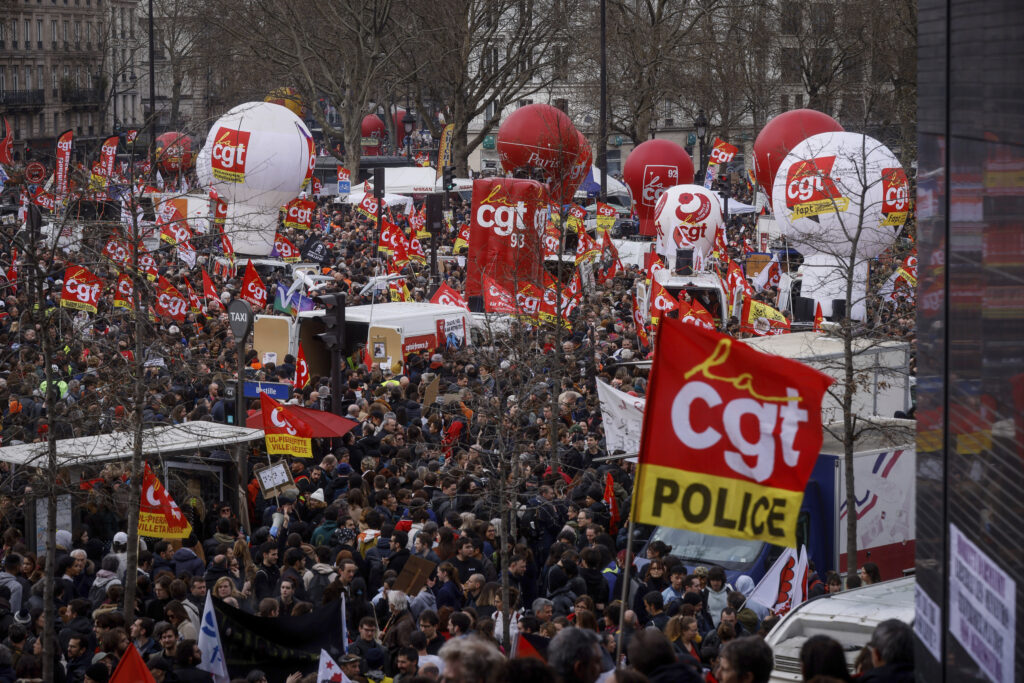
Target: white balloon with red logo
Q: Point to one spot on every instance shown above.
(825, 183)
(256, 158)
(687, 217)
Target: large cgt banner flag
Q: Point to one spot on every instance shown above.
(730, 437)
(508, 219)
(159, 515)
(285, 432)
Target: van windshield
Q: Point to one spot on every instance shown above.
(728, 553)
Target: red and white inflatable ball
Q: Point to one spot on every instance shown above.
(651, 168)
(256, 158)
(824, 184)
(174, 152)
(687, 216)
(782, 134)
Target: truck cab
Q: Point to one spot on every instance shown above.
(705, 287)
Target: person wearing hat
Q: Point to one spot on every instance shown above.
(97, 673)
(350, 664)
(375, 659)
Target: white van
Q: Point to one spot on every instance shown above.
(849, 617)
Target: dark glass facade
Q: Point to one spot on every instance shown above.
(971, 317)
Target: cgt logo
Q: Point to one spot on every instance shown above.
(447, 300)
(370, 205)
(254, 289)
(896, 196)
(82, 292)
(502, 219)
(174, 305)
(657, 179)
(277, 419)
(229, 154)
(809, 181)
(64, 145)
(124, 287)
(663, 303)
(300, 214)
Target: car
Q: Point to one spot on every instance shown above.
(849, 617)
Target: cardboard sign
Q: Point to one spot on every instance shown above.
(385, 344)
(414, 575)
(275, 479)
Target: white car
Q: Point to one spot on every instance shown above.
(849, 617)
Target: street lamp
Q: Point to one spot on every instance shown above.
(700, 124)
(408, 123)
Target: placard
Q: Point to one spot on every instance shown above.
(275, 479)
(414, 575)
(928, 622)
(982, 607)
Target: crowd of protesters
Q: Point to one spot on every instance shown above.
(412, 479)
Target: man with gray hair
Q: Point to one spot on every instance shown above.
(575, 655)
(543, 609)
(401, 624)
(471, 660)
(892, 653)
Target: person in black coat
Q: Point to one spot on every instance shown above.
(892, 653)
(651, 654)
(399, 551)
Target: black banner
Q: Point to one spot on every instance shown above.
(314, 250)
(278, 646)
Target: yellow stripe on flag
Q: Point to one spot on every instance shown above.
(720, 506)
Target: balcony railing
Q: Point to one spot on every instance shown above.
(81, 96)
(21, 98)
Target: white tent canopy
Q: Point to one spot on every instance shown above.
(409, 180)
(735, 205)
(85, 450)
(389, 199)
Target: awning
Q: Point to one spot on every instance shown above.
(323, 424)
(167, 440)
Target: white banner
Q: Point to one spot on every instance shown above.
(623, 417)
(781, 589)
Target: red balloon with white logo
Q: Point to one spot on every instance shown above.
(372, 128)
(782, 134)
(687, 217)
(256, 158)
(174, 152)
(651, 168)
(539, 136)
(835, 189)
(566, 191)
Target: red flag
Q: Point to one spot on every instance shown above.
(316, 187)
(195, 305)
(722, 152)
(532, 646)
(131, 668)
(497, 299)
(169, 301)
(209, 291)
(505, 234)
(63, 166)
(130, 136)
(693, 312)
(286, 433)
(12, 272)
(301, 370)
(698, 468)
(159, 515)
(448, 296)
(612, 503)
(652, 264)
(640, 321)
(108, 152)
(7, 144)
(299, 214)
(818, 317)
(253, 289)
(117, 251)
(586, 248)
(124, 291)
(661, 302)
(81, 289)
(286, 251)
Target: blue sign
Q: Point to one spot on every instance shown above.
(344, 187)
(278, 391)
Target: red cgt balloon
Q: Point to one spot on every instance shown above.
(542, 136)
(372, 127)
(651, 168)
(174, 152)
(782, 134)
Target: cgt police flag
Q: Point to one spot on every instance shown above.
(730, 437)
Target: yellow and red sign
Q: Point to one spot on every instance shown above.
(159, 515)
(605, 217)
(729, 438)
(286, 433)
(299, 214)
(229, 153)
(762, 319)
(811, 190)
(722, 152)
(81, 289)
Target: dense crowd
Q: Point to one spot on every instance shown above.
(412, 479)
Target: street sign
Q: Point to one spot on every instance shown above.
(279, 391)
(240, 317)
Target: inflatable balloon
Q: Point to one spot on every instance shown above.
(782, 134)
(687, 216)
(584, 159)
(373, 131)
(174, 152)
(286, 97)
(539, 136)
(256, 157)
(824, 184)
(650, 169)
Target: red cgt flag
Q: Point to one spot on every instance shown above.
(818, 317)
(301, 370)
(448, 296)
(159, 515)
(7, 144)
(662, 303)
(169, 301)
(124, 291)
(611, 502)
(253, 289)
(729, 438)
(497, 299)
(286, 433)
(81, 289)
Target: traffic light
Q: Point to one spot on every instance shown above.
(333, 335)
(378, 182)
(448, 178)
(435, 214)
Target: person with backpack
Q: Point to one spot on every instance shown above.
(321, 575)
(264, 584)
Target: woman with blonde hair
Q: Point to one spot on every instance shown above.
(681, 631)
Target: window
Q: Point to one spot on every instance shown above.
(39, 32)
(561, 103)
(54, 79)
(798, 101)
(784, 102)
(53, 31)
(790, 65)
(790, 19)
(3, 80)
(78, 32)
(14, 33)
(66, 27)
(40, 77)
(42, 124)
(56, 122)
(14, 79)
(524, 103)
(28, 78)
(88, 33)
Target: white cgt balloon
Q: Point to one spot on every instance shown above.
(822, 186)
(256, 157)
(687, 217)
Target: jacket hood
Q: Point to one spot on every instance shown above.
(182, 554)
